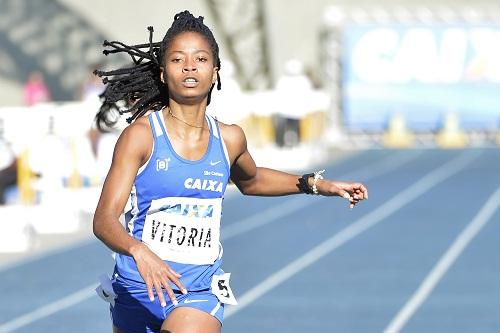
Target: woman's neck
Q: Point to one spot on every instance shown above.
(188, 121)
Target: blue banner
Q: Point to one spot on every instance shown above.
(422, 72)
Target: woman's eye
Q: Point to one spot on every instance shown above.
(176, 60)
(202, 59)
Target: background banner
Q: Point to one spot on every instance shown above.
(423, 72)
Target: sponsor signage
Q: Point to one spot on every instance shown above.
(422, 72)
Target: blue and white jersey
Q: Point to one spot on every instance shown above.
(176, 207)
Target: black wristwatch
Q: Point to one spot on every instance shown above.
(304, 183)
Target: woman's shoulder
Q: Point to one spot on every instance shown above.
(234, 138)
(136, 137)
(232, 133)
(140, 127)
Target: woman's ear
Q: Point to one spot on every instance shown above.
(162, 74)
(214, 75)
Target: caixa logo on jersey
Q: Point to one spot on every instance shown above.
(162, 164)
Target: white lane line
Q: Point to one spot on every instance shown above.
(446, 261)
(47, 253)
(369, 220)
(49, 309)
(290, 206)
(253, 222)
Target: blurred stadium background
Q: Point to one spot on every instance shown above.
(318, 79)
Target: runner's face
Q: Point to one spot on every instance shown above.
(189, 68)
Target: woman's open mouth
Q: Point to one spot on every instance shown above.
(190, 82)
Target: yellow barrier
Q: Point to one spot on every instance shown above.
(259, 130)
(25, 179)
(451, 136)
(312, 126)
(266, 129)
(398, 135)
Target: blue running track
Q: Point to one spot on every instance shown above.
(421, 255)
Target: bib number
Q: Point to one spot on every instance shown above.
(221, 289)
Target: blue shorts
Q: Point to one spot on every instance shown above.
(134, 312)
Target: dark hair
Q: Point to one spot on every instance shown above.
(138, 88)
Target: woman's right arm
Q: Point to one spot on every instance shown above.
(132, 150)
(128, 156)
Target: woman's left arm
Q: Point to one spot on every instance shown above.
(253, 180)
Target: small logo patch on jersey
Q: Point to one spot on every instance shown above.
(162, 164)
(212, 163)
(213, 173)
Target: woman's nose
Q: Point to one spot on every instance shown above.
(189, 66)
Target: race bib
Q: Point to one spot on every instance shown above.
(184, 230)
(221, 289)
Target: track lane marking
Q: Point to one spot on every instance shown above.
(444, 264)
(49, 309)
(418, 188)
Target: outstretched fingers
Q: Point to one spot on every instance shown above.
(174, 277)
(161, 297)
(160, 284)
(157, 275)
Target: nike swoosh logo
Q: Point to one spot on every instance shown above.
(214, 163)
(187, 301)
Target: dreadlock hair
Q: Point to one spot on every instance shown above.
(138, 89)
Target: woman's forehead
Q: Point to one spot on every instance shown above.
(189, 40)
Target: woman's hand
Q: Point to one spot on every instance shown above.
(354, 192)
(156, 274)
